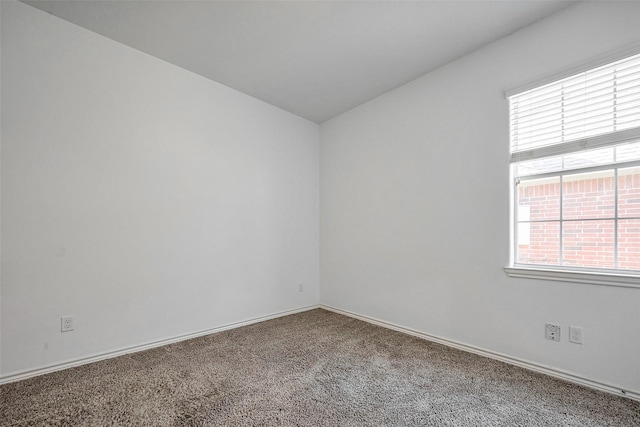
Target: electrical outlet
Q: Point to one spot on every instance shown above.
(66, 323)
(552, 331)
(301, 287)
(575, 334)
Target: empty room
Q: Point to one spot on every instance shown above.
(320, 213)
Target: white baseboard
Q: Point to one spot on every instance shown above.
(22, 375)
(566, 376)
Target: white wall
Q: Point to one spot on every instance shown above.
(415, 208)
(145, 200)
(150, 202)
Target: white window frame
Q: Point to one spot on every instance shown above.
(598, 276)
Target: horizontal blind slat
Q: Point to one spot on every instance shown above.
(576, 83)
(628, 102)
(622, 65)
(602, 102)
(526, 106)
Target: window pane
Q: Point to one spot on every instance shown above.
(581, 159)
(539, 243)
(575, 153)
(588, 244)
(539, 199)
(544, 165)
(585, 159)
(628, 152)
(629, 192)
(588, 195)
(629, 244)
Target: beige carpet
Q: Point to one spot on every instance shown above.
(311, 369)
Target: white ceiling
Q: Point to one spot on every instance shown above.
(315, 59)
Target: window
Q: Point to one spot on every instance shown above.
(575, 155)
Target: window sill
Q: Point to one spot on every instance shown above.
(590, 278)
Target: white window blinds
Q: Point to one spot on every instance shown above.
(591, 109)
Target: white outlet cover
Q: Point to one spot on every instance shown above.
(552, 331)
(66, 323)
(575, 334)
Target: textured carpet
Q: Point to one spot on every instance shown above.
(311, 369)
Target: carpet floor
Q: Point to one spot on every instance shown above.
(315, 368)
